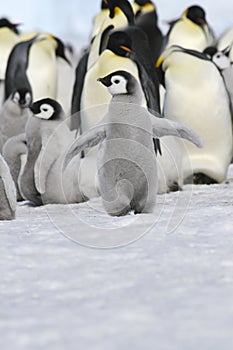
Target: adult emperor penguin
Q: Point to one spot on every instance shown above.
(42, 64)
(120, 15)
(7, 192)
(16, 71)
(8, 38)
(14, 114)
(15, 152)
(99, 19)
(191, 30)
(127, 163)
(196, 94)
(146, 18)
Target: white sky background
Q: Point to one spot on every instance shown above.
(71, 19)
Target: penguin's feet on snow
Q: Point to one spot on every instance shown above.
(200, 179)
(175, 187)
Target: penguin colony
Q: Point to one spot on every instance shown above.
(140, 112)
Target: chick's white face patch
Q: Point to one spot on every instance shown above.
(16, 97)
(46, 111)
(28, 98)
(118, 86)
(221, 60)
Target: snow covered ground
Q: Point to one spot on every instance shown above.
(169, 285)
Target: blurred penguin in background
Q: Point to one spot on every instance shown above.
(191, 30)
(42, 69)
(146, 18)
(9, 36)
(196, 95)
(15, 152)
(99, 19)
(18, 93)
(120, 14)
(7, 192)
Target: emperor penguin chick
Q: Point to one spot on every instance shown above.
(14, 114)
(7, 192)
(223, 62)
(126, 160)
(15, 153)
(55, 137)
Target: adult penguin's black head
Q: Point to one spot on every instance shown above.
(121, 5)
(143, 2)
(104, 4)
(196, 14)
(4, 22)
(60, 50)
(120, 44)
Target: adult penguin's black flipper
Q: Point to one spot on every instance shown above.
(80, 73)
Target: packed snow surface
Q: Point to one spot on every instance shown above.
(163, 281)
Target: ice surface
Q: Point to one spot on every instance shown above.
(170, 289)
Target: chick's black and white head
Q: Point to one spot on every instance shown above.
(220, 58)
(22, 97)
(119, 83)
(47, 109)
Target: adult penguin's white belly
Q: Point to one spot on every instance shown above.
(202, 104)
(42, 69)
(8, 40)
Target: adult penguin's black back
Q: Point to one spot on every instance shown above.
(80, 72)
(4, 22)
(16, 76)
(147, 20)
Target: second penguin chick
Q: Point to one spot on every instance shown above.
(7, 192)
(127, 168)
(14, 114)
(15, 153)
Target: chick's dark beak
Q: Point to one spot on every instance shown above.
(105, 81)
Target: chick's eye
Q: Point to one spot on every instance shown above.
(45, 109)
(218, 55)
(116, 81)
